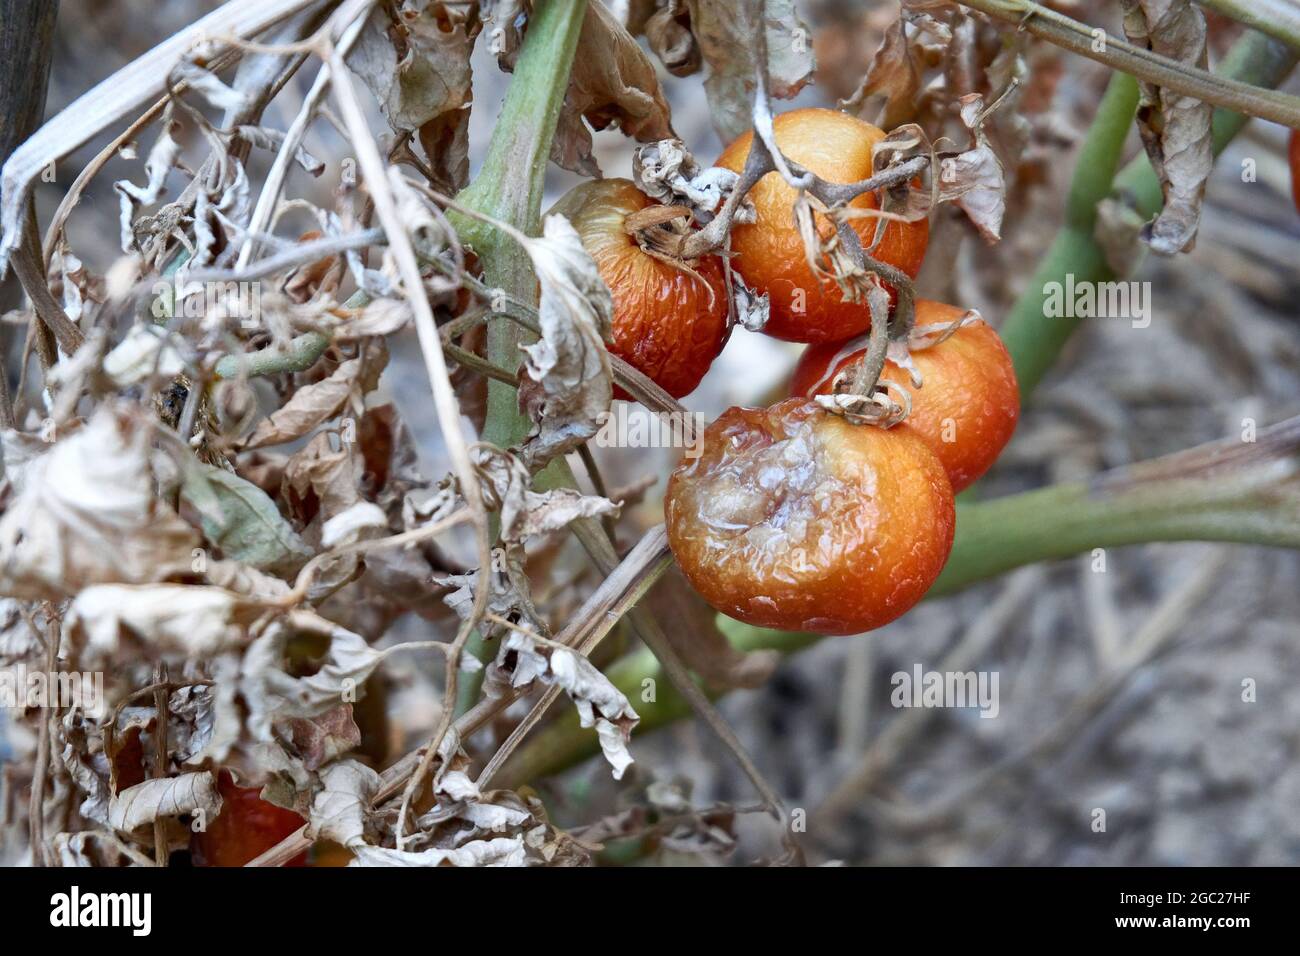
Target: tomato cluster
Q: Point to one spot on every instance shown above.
(794, 517)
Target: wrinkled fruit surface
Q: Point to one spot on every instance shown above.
(246, 827)
(769, 253)
(796, 519)
(968, 403)
(668, 323)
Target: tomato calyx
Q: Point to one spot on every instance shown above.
(664, 233)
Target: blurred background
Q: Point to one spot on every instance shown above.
(1186, 771)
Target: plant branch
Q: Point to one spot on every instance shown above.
(1119, 54)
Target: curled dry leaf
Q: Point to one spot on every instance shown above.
(667, 172)
(973, 179)
(319, 402)
(147, 351)
(521, 660)
(273, 695)
(570, 362)
(613, 81)
(1175, 128)
(525, 512)
(88, 513)
(417, 64)
(165, 797)
(722, 29)
(117, 622)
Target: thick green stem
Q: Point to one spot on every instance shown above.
(1280, 19)
(1231, 491)
(509, 188)
(1035, 340)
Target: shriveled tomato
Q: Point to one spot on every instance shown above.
(968, 402)
(246, 827)
(795, 518)
(669, 322)
(769, 252)
(1293, 152)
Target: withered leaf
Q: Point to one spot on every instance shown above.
(525, 512)
(88, 513)
(570, 362)
(314, 404)
(612, 81)
(1175, 129)
(724, 31)
(165, 797)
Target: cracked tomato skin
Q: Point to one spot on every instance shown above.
(246, 827)
(794, 518)
(968, 403)
(769, 253)
(1293, 152)
(669, 324)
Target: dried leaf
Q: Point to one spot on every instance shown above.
(894, 74)
(724, 30)
(88, 513)
(570, 362)
(1175, 128)
(158, 620)
(165, 797)
(525, 512)
(613, 81)
(314, 404)
(501, 851)
(418, 64)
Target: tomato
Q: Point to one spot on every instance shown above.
(1294, 153)
(246, 827)
(795, 518)
(769, 253)
(968, 402)
(668, 323)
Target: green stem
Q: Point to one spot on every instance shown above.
(1228, 491)
(1033, 339)
(509, 188)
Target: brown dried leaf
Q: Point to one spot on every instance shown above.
(613, 81)
(165, 797)
(87, 513)
(1175, 129)
(894, 74)
(319, 740)
(724, 30)
(525, 512)
(314, 404)
(570, 362)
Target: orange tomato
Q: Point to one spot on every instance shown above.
(968, 402)
(795, 518)
(769, 253)
(668, 323)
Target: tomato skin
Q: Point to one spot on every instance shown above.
(668, 323)
(968, 404)
(1293, 152)
(797, 519)
(246, 827)
(769, 253)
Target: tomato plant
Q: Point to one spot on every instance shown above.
(798, 519)
(670, 320)
(968, 402)
(770, 253)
